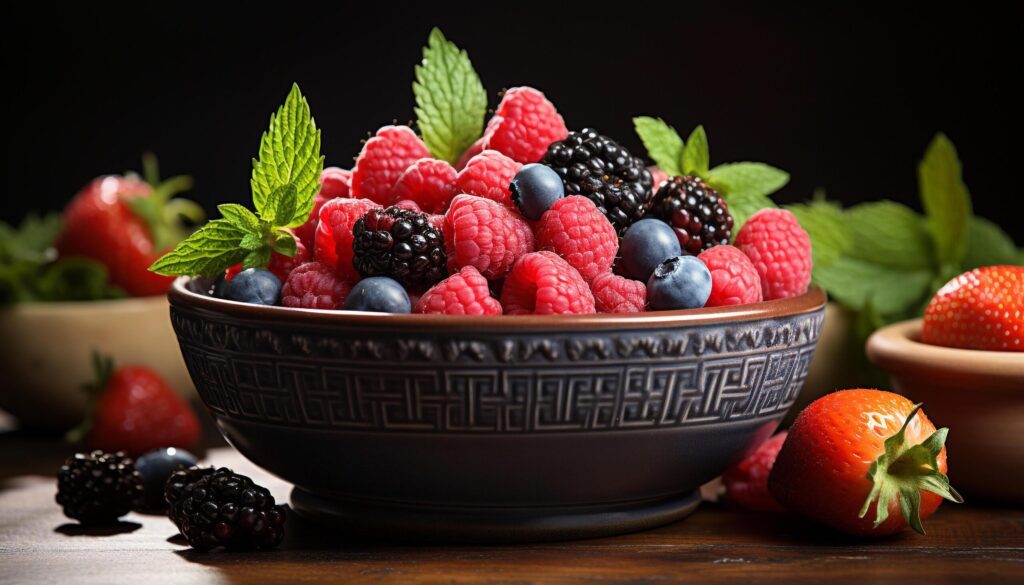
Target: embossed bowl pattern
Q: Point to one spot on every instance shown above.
(500, 428)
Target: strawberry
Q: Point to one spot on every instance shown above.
(867, 462)
(746, 483)
(125, 224)
(980, 309)
(135, 412)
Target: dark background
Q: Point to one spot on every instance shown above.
(844, 99)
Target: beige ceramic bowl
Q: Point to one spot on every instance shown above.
(46, 348)
(979, 395)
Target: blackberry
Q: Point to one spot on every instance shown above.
(222, 508)
(697, 213)
(601, 170)
(401, 244)
(98, 487)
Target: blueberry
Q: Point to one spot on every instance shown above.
(256, 286)
(154, 468)
(535, 188)
(682, 282)
(378, 294)
(646, 244)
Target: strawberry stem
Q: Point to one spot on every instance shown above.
(103, 368)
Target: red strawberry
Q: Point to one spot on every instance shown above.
(383, 160)
(136, 411)
(980, 309)
(746, 483)
(867, 462)
(120, 223)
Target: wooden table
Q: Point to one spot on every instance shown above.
(965, 544)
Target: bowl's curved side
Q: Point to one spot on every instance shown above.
(472, 417)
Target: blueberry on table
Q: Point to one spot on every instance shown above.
(378, 294)
(535, 188)
(683, 282)
(255, 286)
(154, 468)
(646, 244)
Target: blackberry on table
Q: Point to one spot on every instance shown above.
(697, 213)
(221, 508)
(601, 170)
(98, 487)
(401, 244)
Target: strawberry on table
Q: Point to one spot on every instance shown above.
(867, 462)
(981, 309)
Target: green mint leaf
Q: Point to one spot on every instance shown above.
(747, 178)
(32, 241)
(280, 208)
(284, 243)
(252, 241)
(75, 279)
(240, 216)
(257, 258)
(824, 223)
(946, 201)
(289, 155)
(207, 252)
(663, 143)
(696, 156)
(450, 99)
(988, 245)
(890, 234)
(743, 205)
(856, 284)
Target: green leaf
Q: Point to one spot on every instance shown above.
(824, 223)
(946, 201)
(75, 279)
(988, 245)
(32, 241)
(890, 234)
(240, 216)
(743, 205)
(252, 241)
(747, 178)
(450, 99)
(284, 244)
(280, 209)
(696, 155)
(289, 155)
(855, 283)
(207, 252)
(257, 258)
(663, 143)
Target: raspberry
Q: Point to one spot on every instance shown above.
(484, 234)
(734, 280)
(314, 286)
(618, 294)
(466, 292)
(488, 175)
(334, 234)
(542, 283)
(780, 250)
(383, 160)
(334, 182)
(428, 182)
(658, 177)
(576, 230)
(408, 204)
(747, 482)
(279, 265)
(475, 149)
(523, 126)
(437, 221)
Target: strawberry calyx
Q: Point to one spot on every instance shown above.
(902, 471)
(168, 218)
(103, 368)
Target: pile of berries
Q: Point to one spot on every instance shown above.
(533, 219)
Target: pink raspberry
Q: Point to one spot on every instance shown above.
(428, 182)
(334, 234)
(576, 230)
(659, 176)
(541, 283)
(524, 125)
(407, 204)
(734, 280)
(463, 293)
(618, 294)
(334, 182)
(314, 286)
(484, 234)
(383, 160)
(436, 221)
(476, 148)
(780, 251)
(488, 175)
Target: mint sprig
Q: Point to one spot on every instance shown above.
(663, 143)
(285, 180)
(450, 99)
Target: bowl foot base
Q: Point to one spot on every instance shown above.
(488, 525)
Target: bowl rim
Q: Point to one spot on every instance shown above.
(897, 349)
(811, 301)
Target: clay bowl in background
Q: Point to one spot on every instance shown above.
(46, 354)
(979, 395)
(495, 429)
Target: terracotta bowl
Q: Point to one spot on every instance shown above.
(979, 395)
(46, 354)
(499, 428)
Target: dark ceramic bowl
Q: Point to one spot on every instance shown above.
(495, 428)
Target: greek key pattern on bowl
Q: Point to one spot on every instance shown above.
(589, 380)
